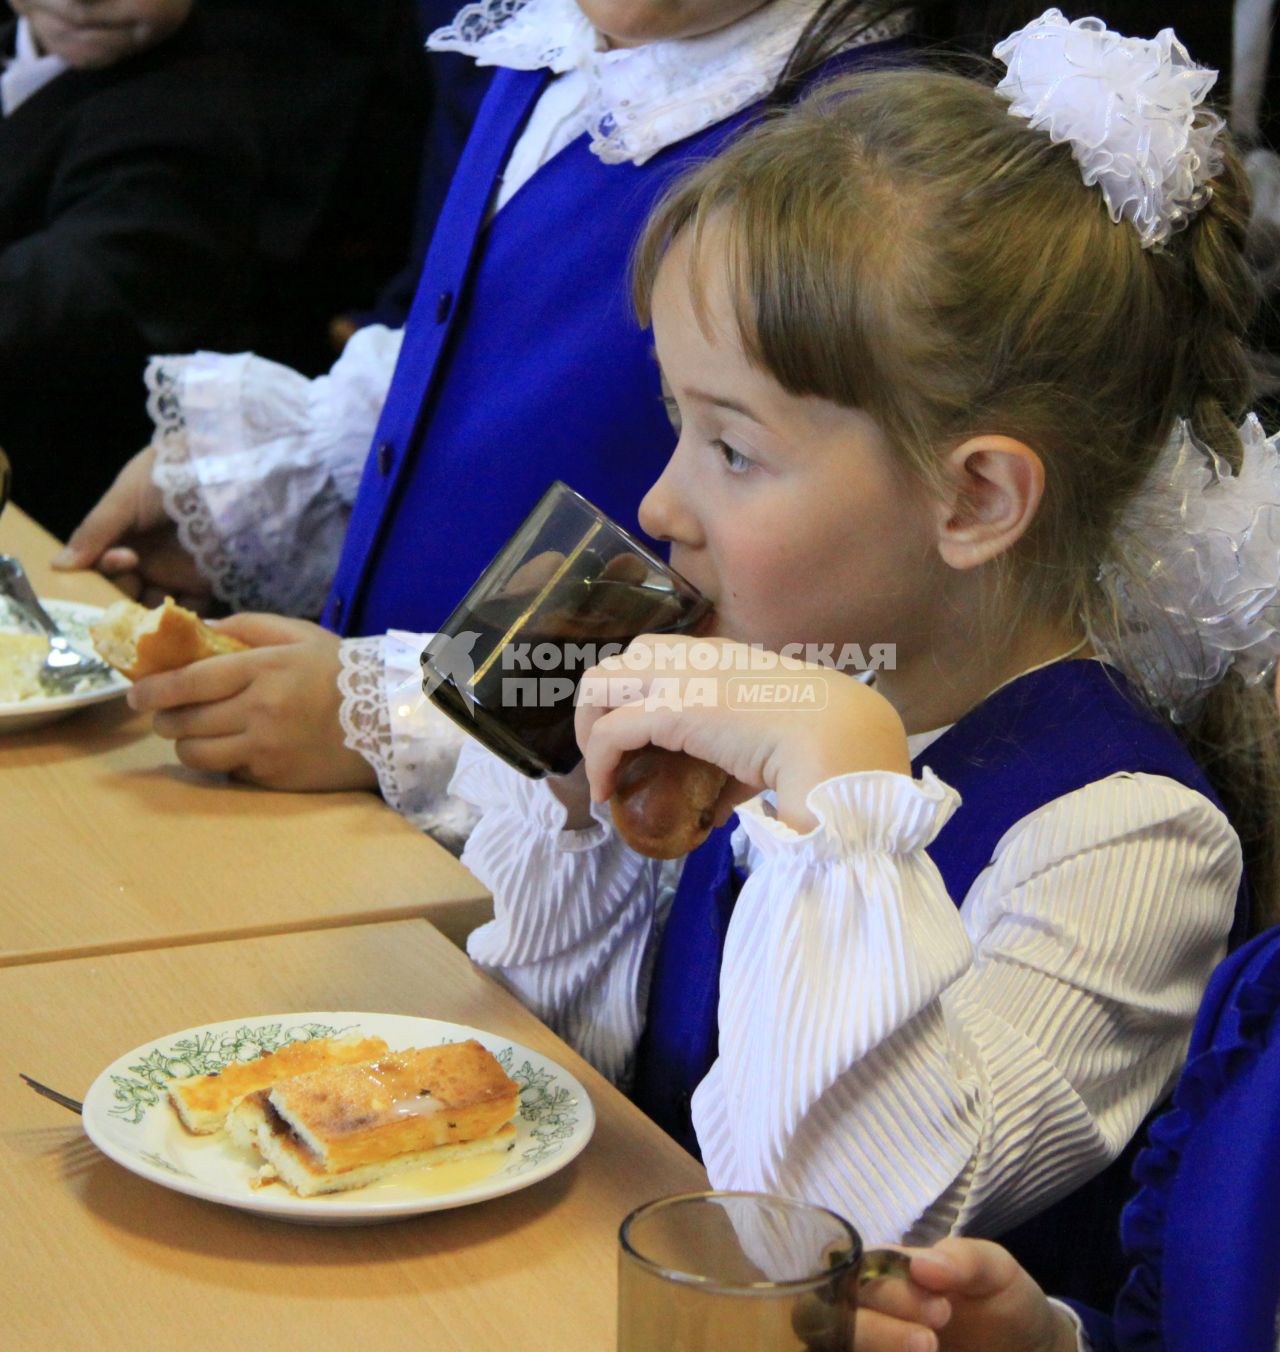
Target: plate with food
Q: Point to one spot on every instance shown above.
(336, 1118)
(24, 703)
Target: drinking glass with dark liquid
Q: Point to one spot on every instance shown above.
(570, 588)
(743, 1272)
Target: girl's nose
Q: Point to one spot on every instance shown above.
(664, 513)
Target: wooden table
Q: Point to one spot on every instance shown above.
(98, 1258)
(108, 844)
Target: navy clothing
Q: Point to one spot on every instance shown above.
(1019, 750)
(1042, 736)
(457, 86)
(128, 205)
(1203, 1232)
(513, 373)
(522, 363)
(680, 1042)
(341, 94)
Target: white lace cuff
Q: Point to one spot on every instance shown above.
(410, 744)
(258, 466)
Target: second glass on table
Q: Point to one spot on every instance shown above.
(569, 588)
(742, 1272)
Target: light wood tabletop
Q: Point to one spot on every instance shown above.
(108, 844)
(99, 1258)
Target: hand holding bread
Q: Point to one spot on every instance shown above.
(139, 642)
(664, 802)
(265, 711)
(680, 728)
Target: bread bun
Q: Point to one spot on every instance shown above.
(664, 802)
(139, 642)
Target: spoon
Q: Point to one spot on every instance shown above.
(64, 666)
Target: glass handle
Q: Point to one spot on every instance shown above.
(878, 1263)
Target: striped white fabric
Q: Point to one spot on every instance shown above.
(918, 1067)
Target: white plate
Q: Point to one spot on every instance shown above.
(128, 1116)
(74, 619)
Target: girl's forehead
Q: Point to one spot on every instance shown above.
(696, 280)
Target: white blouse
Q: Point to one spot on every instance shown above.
(920, 1067)
(27, 71)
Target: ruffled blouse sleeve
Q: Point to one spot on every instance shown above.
(575, 911)
(920, 1067)
(926, 1068)
(259, 466)
(412, 747)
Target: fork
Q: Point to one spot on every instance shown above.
(64, 666)
(67, 1102)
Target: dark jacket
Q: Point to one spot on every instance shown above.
(128, 200)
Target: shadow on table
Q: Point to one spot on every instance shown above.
(177, 790)
(167, 1229)
(88, 732)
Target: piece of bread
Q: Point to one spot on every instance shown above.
(331, 1130)
(664, 802)
(139, 642)
(254, 1124)
(21, 657)
(204, 1101)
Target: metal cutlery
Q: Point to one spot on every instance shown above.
(43, 1089)
(65, 666)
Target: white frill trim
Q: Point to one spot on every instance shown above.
(412, 747)
(365, 713)
(174, 475)
(643, 99)
(868, 811)
(854, 905)
(258, 545)
(1196, 586)
(258, 466)
(1129, 108)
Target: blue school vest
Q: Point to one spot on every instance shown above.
(1203, 1231)
(514, 374)
(1043, 735)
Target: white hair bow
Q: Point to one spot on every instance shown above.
(1130, 109)
(1200, 560)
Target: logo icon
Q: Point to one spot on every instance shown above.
(447, 657)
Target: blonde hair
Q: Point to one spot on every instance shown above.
(899, 244)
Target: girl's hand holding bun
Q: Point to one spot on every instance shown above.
(268, 715)
(767, 724)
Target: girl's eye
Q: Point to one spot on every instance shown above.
(735, 462)
(673, 413)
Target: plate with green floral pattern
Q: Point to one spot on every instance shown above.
(128, 1116)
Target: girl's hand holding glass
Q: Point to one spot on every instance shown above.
(767, 725)
(269, 716)
(974, 1294)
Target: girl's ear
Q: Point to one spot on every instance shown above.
(996, 487)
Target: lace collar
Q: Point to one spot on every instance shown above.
(642, 99)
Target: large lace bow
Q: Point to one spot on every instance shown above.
(1130, 109)
(1196, 590)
